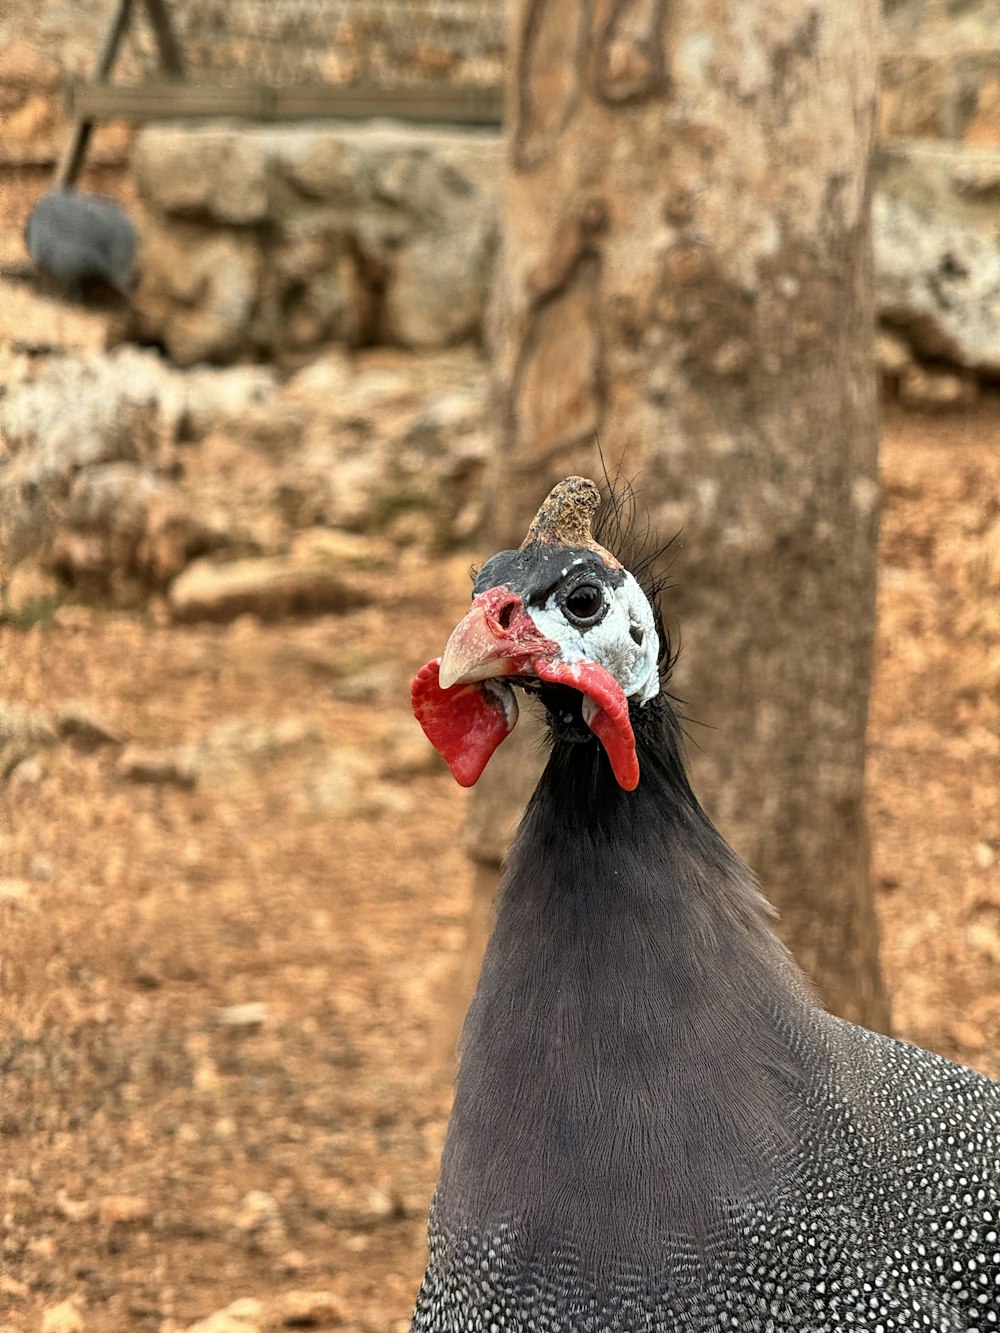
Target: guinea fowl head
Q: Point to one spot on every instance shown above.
(562, 618)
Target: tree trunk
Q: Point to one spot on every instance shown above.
(686, 276)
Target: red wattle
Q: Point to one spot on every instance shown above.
(465, 723)
(610, 723)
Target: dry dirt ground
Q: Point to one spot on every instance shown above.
(229, 925)
(165, 1153)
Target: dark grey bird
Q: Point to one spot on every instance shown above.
(80, 239)
(656, 1129)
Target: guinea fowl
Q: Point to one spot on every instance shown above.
(655, 1125)
(81, 239)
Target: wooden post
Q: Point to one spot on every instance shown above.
(171, 56)
(171, 63)
(75, 151)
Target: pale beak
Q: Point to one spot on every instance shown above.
(478, 649)
(497, 637)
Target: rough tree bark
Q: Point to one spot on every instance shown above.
(686, 275)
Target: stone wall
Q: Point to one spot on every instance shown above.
(271, 242)
(937, 211)
(941, 71)
(268, 241)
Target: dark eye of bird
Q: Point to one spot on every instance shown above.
(584, 603)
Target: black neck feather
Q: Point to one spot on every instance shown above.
(634, 1050)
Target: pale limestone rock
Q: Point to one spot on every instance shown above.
(170, 767)
(936, 390)
(271, 587)
(117, 1210)
(940, 280)
(218, 171)
(892, 355)
(309, 1309)
(15, 891)
(243, 1316)
(62, 1318)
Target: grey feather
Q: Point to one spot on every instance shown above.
(79, 237)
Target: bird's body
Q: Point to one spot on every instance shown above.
(82, 238)
(656, 1129)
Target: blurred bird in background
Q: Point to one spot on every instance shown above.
(83, 241)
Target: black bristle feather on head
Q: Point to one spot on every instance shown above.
(627, 531)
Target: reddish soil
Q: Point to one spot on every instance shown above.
(295, 1147)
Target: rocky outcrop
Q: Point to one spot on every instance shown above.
(937, 253)
(271, 588)
(89, 461)
(226, 490)
(274, 241)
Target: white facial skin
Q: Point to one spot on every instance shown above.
(610, 643)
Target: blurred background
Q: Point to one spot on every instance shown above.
(242, 481)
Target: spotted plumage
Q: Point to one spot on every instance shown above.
(656, 1129)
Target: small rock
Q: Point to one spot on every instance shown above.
(939, 279)
(242, 1316)
(251, 1015)
(977, 177)
(936, 390)
(363, 1211)
(984, 939)
(23, 731)
(205, 1076)
(198, 302)
(15, 890)
(213, 169)
(329, 375)
(985, 855)
(85, 723)
(29, 591)
(123, 1210)
(26, 774)
(259, 1217)
(41, 867)
(308, 1309)
(337, 544)
(448, 415)
(892, 355)
(12, 1289)
(343, 786)
(34, 119)
(173, 768)
(62, 1318)
(234, 750)
(271, 587)
(74, 1210)
(373, 682)
(74, 617)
